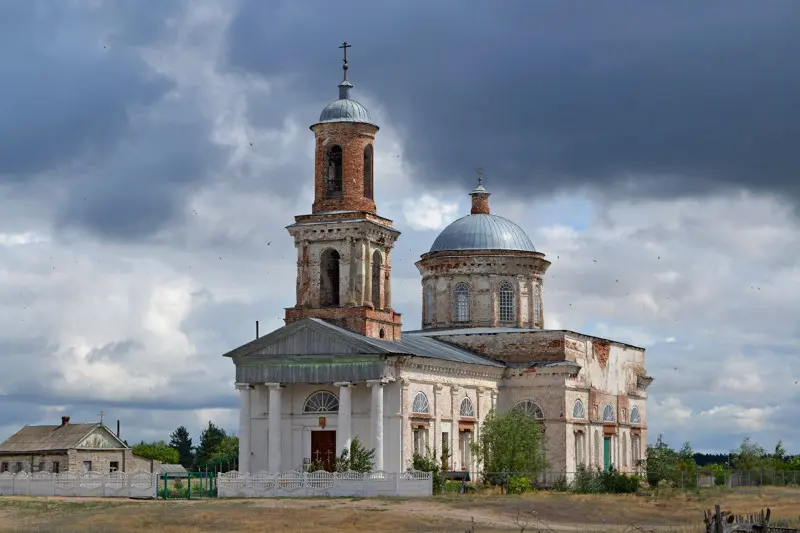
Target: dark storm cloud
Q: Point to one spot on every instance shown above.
(559, 94)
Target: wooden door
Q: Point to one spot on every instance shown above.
(323, 448)
(607, 453)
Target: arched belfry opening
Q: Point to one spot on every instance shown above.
(329, 278)
(333, 169)
(377, 263)
(368, 188)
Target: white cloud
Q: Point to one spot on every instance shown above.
(428, 212)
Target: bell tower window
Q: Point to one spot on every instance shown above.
(329, 278)
(377, 262)
(333, 176)
(368, 190)
(461, 302)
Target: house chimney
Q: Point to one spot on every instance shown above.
(117, 428)
(256, 329)
(64, 420)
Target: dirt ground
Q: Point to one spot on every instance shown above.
(448, 513)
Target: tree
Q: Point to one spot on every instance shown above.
(511, 442)
(779, 458)
(748, 456)
(158, 451)
(660, 462)
(210, 440)
(356, 458)
(228, 448)
(182, 443)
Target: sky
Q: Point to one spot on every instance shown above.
(152, 154)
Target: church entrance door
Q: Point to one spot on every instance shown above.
(323, 448)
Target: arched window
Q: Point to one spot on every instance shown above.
(537, 311)
(333, 172)
(377, 262)
(529, 407)
(507, 311)
(461, 302)
(428, 304)
(608, 413)
(467, 410)
(420, 404)
(368, 171)
(321, 402)
(578, 410)
(636, 416)
(329, 278)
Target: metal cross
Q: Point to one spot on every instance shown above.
(101, 414)
(345, 46)
(479, 170)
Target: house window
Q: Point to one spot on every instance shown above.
(445, 448)
(580, 447)
(507, 313)
(329, 278)
(87, 467)
(578, 411)
(608, 413)
(368, 171)
(113, 466)
(636, 416)
(529, 407)
(461, 302)
(333, 176)
(20, 467)
(4, 467)
(56, 467)
(42, 466)
(321, 402)
(420, 404)
(428, 304)
(420, 441)
(467, 410)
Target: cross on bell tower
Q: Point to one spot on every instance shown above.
(344, 247)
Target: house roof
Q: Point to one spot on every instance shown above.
(314, 338)
(49, 438)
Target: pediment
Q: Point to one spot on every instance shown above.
(308, 337)
(99, 438)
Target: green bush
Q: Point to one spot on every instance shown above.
(518, 484)
(597, 481)
(451, 486)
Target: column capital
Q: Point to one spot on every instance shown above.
(243, 386)
(481, 391)
(274, 385)
(437, 388)
(342, 384)
(455, 390)
(377, 382)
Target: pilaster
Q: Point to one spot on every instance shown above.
(244, 426)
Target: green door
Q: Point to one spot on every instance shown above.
(606, 453)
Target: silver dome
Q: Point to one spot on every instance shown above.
(345, 110)
(483, 232)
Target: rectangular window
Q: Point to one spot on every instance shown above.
(42, 466)
(87, 467)
(56, 467)
(113, 466)
(420, 441)
(4, 467)
(20, 467)
(466, 440)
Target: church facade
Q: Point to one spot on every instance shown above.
(342, 368)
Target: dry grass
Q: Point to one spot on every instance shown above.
(448, 513)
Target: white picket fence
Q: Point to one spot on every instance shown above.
(115, 484)
(411, 483)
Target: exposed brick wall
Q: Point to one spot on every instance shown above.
(352, 138)
(480, 204)
(363, 320)
(514, 347)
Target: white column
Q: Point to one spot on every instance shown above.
(274, 427)
(344, 429)
(244, 426)
(377, 420)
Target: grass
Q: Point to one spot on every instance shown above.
(483, 513)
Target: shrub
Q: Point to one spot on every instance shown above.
(518, 484)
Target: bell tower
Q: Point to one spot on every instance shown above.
(344, 246)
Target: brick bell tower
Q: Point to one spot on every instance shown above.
(343, 246)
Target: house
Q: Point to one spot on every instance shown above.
(70, 448)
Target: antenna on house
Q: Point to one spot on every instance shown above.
(256, 329)
(101, 414)
(117, 428)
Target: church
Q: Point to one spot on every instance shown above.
(341, 367)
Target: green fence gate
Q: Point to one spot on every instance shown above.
(187, 486)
